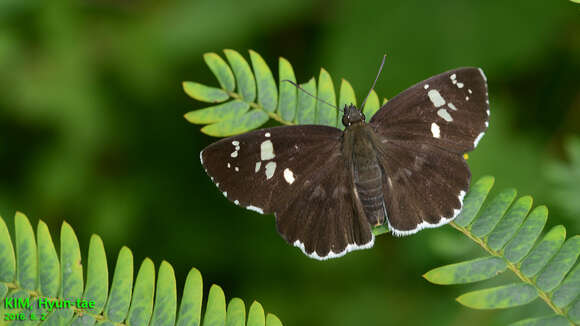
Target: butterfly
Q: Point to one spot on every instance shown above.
(328, 188)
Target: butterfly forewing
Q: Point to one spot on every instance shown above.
(299, 174)
(449, 110)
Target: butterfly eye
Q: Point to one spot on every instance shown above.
(345, 120)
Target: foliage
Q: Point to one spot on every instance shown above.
(34, 271)
(507, 230)
(564, 179)
(257, 99)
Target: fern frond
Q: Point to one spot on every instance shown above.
(506, 229)
(249, 98)
(31, 273)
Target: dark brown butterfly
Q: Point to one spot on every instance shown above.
(328, 187)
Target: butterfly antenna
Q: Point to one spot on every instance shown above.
(316, 97)
(375, 82)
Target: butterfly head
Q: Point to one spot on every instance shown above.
(352, 115)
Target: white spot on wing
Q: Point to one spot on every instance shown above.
(267, 150)
(237, 202)
(270, 169)
(445, 115)
(426, 225)
(436, 98)
(237, 169)
(435, 130)
(225, 194)
(451, 106)
(331, 254)
(258, 164)
(289, 176)
(235, 143)
(453, 76)
(234, 154)
(201, 157)
(267, 134)
(255, 209)
(469, 90)
(426, 86)
(467, 98)
(459, 85)
(229, 165)
(478, 139)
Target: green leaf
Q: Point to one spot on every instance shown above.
(256, 315)
(244, 76)
(545, 250)
(25, 253)
(165, 298)
(325, 114)
(509, 224)
(569, 289)
(557, 268)
(574, 312)
(347, 96)
(519, 246)
(190, 308)
(120, 296)
(70, 259)
(215, 312)
(306, 109)
(7, 257)
(267, 92)
(473, 201)
(236, 313)
(226, 111)
(288, 97)
(492, 213)
(221, 70)
(371, 106)
(499, 297)
(468, 271)
(246, 122)
(204, 93)
(554, 320)
(48, 264)
(142, 302)
(272, 320)
(97, 286)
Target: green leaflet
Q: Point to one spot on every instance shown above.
(48, 265)
(306, 109)
(288, 97)
(569, 289)
(542, 253)
(506, 296)
(371, 106)
(120, 296)
(492, 213)
(557, 268)
(225, 111)
(215, 312)
(221, 70)
(267, 93)
(256, 315)
(509, 224)
(473, 200)
(236, 313)
(25, 253)
(164, 310)
(7, 257)
(346, 97)
(246, 122)
(519, 246)
(142, 302)
(71, 267)
(325, 114)
(554, 320)
(244, 76)
(135, 303)
(204, 93)
(574, 312)
(468, 271)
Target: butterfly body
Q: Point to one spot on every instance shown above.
(328, 187)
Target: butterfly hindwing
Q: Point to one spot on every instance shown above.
(449, 110)
(298, 174)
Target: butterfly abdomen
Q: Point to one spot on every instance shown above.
(367, 175)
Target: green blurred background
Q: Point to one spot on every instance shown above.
(92, 132)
